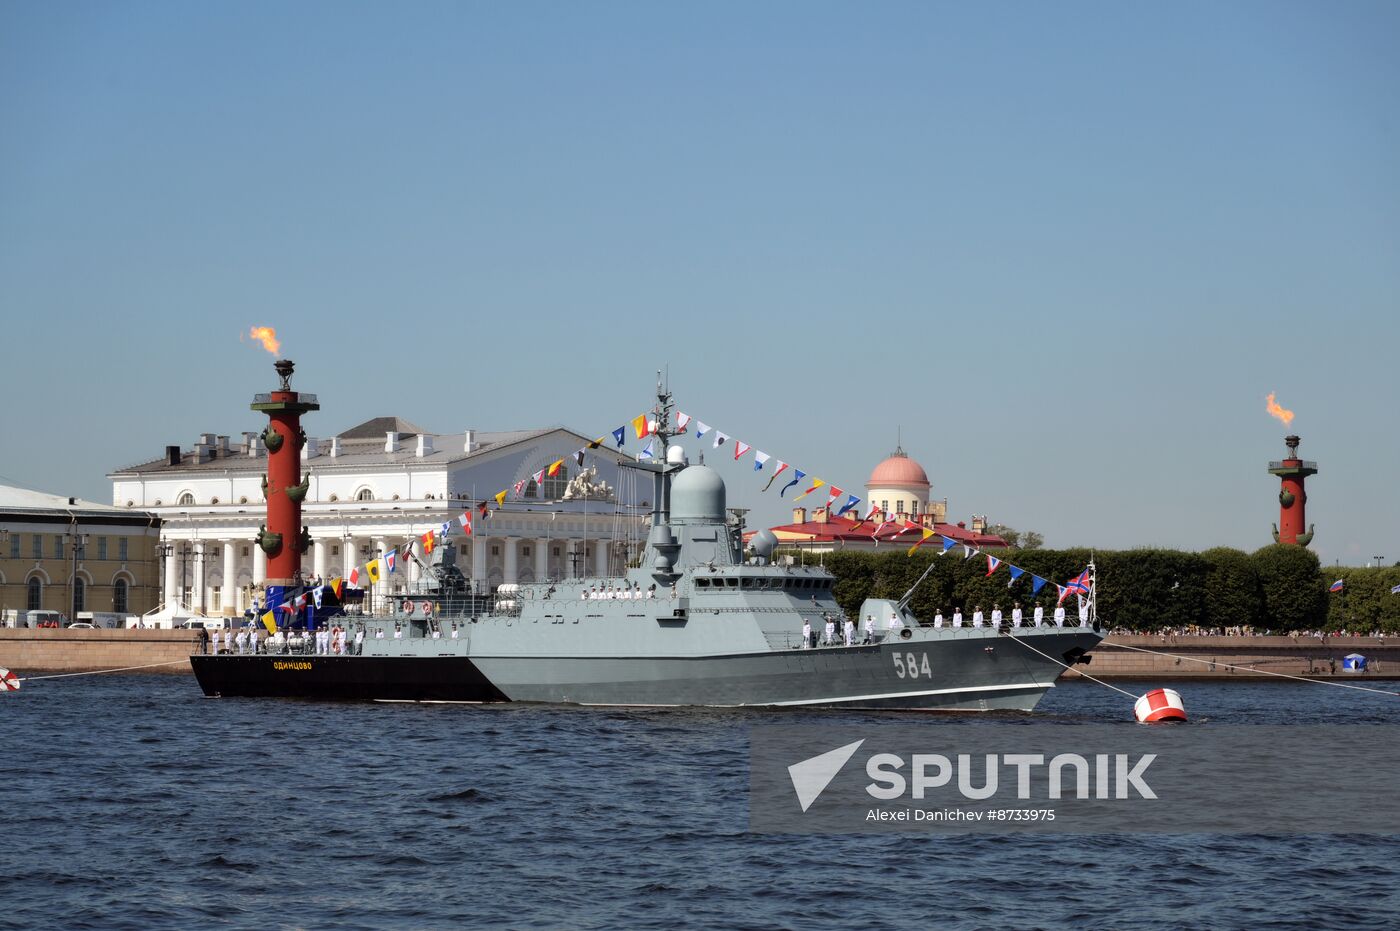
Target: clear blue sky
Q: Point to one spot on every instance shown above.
(1068, 247)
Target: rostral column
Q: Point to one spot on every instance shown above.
(283, 538)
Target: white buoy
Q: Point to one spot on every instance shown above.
(1159, 705)
(9, 682)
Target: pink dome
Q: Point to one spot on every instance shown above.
(898, 470)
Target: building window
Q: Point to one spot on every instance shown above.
(79, 596)
(914, 507)
(899, 506)
(531, 489)
(364, 494)
(495, 551)
(556, 551)
(121, 549)
(119, 595)
(554, 485)
(215, 600)
(101, 547)
(185, 500)
(245, 552)
(335, 550)
(58, 547)
(38, 549)
(14, 546)
(34, 594)
(525, 550)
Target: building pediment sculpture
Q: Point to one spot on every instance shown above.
(587, 486)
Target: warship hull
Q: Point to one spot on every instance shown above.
(972, 674)
(342, 678)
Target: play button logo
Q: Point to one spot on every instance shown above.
(811, 776)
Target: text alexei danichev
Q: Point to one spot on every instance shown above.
(958, 814)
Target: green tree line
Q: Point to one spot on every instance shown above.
(1279, 588)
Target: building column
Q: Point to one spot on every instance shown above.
(172, 570)
(321, 550)
(542, 560)
(197, 596)
(230, 591)
(511, 572)
(600, 556)
(411, 567)
(376, 594)
(259, 564)
(478, 565)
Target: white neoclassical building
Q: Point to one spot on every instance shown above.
(380, 485)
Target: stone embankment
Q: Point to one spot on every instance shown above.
(1301, 656)
(34, 652)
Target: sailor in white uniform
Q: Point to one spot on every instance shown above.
(977, 616)
(1060, 616)
(379, 633)
(360, 640)
(241, 640)
(1083, 612)
(437, 633)
(996, 616)
(830, 632)
(398, 632)
(957, 617)
(938, 619)
(895, 621)
(850, 632)
(583, 595)
(1016, 616)
(253, 640)
(1039, 616)
(869, 629)
(806, 633)
(454, 630)
(228, 640)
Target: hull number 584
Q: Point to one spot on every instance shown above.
(907, 666)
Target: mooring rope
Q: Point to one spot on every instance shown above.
(1281, 675)
(98, 672)
(1067, 666)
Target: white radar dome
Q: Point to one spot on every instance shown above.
(697, 493)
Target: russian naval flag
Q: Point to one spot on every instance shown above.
(1336, 586)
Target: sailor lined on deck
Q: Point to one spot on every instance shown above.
(241, 640)
(359, 640)
(1039, 615)
(869, 629)
(228, 640)
(454, 630)
(398, 631)
(977, 616)
(896, 622)
(1059, 615)
(379, 633)
(849, 632)
(1083, 612)
(1016, 616)
(957, 617)
(830, 631)
(806, 633)
(996, 616)
(253, 640)
(938, 619)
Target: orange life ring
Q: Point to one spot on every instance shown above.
(427, 608)
(406, 607)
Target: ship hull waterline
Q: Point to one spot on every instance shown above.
(972, 675)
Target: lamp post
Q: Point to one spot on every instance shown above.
(78, 544)
(164, 551)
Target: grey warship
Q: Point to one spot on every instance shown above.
(702, 624)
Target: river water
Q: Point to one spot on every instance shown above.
(133, 802)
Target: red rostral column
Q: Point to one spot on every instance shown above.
(1292, 499)
(283, 538)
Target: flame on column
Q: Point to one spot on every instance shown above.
(268, 337)
(1282, 413)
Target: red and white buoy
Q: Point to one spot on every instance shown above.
(1159, 705)
(9, 682)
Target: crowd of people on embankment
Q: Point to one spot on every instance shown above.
(1193, 631)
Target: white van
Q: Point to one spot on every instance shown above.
(208, 623)
(45, 619)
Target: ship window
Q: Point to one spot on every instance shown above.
(702, 583)
(731, 583)
(746, 583)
